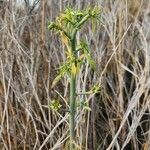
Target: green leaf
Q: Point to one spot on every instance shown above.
(95, 89)
(87, 108)
(87, 54)
(74, 69)
(83, 104)
(55, 105)
(94, 12)
(90, 61)
(64, 70)
(93, 25)
(57, 79)
(51, 25)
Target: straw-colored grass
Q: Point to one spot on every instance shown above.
(30, 56)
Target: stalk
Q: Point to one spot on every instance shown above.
(72, 110)
(72, 96)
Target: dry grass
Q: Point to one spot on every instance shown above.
(30, 56)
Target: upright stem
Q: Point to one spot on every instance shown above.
(72, 98)
(72, 111)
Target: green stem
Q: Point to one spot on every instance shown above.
(72, 111)
(72, 96)
(83, 21)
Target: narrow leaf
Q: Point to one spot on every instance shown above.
(74, 69)
(56, 80)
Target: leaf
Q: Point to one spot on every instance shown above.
(87, 55)
(64, 39)
(95, 89)
(84, 104)
(64, 70)
(90, 61)
(57, 79)
(94, 12)
(51, 25)
(74, 69)
(93, 25)
(87, 108)
(55, 105)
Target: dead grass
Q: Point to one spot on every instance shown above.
(30, 56)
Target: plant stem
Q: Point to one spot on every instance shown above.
(72, 96)
(72, 111)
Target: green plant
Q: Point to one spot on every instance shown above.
(55, 105)
(67, 24)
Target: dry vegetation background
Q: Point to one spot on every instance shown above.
(30, 56)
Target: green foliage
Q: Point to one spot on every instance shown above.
(55, 105)
(83, 104)
(71, 19)
(86, 54)
(67, 24)
(95, 89)
(64, 70)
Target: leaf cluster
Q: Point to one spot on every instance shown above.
(86, 53)
(95, 89)
(83, 104)
(55, 105)
(67, 24)
(72, 64)
(71, 19)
